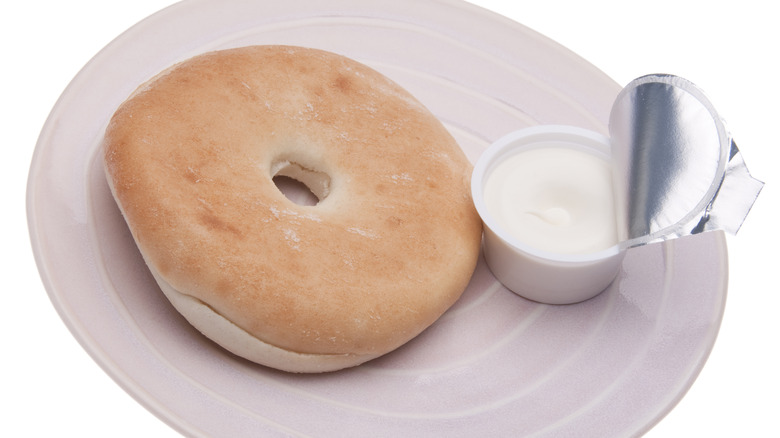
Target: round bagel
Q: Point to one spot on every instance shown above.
(392, 243)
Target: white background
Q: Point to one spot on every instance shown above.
(51, 387)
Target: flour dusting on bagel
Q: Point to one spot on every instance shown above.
(390, 245)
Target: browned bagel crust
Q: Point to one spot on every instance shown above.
(391, 245)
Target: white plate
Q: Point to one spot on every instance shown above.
(494, 365)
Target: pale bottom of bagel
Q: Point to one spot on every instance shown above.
(236, 340)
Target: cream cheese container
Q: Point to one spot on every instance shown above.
(545, 197)
(561, 205)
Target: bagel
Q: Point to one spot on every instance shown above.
(391, 243)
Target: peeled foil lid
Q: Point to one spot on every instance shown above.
(677, 172)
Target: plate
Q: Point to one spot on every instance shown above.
(494, 364)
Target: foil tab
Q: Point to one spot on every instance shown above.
(677, 171)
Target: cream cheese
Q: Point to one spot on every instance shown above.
(554, 199)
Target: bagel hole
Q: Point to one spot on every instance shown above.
(295, 191)
(299, 184)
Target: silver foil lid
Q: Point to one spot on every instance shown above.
(677, 171)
